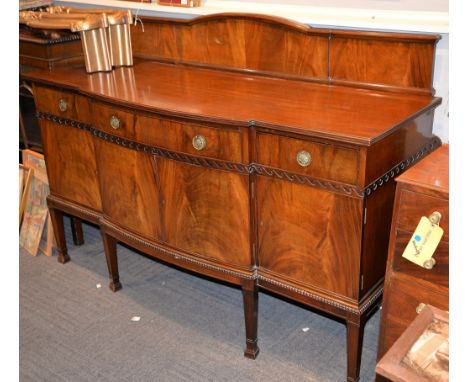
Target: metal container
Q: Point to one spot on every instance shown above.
(93, 31)
(105, 34)
(120, 42)
(96, 50)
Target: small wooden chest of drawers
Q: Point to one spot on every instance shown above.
(421, 190)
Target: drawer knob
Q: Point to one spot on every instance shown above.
(199, 142)
(303, 158)
(115, 122)
(420, 308)
(63, 105)
(429, 264)
(435, 217)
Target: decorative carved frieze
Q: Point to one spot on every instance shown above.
(400, 167)
(252, 168)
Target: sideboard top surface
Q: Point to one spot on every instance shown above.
(341, 113)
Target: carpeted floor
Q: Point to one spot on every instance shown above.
(191, 329)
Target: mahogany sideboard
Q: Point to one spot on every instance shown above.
(421, 191)
(248, 148)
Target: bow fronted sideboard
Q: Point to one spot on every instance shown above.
(251, 149)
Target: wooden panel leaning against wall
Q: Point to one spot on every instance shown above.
(250, 163)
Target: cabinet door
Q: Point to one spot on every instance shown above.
(130, 189)
(309, 237)
(71, 164)
(197, 210)
(206, 212)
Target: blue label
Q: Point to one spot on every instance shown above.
(417, 238)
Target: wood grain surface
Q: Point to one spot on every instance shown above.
(206, 212)
(281, 47)
(421, 190)
(415, 205)
(259, 89)
(222, 142)
(130, 189)
(71, 164)
(439, 275)
(308, 244)
(248, 43)
(432, 174)
(339, 113)
(360, 60)
(327, 161)
(401, 307)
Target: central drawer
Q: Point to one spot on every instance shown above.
(314, 159)
(114, 120)
(217, 142)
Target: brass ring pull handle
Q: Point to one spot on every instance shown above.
(430, 263)
(63, 105)
(420, 308)
(115, 122)
(435, 217)
(199, 142)
(303, 158)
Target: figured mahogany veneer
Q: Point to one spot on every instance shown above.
(279, 47)
(228, 150)
(338, 163)
(420, 191)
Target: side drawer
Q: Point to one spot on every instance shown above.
(414, 205)
(225, 143)
(401, 300)
(438, 275)
(319, 160)
(113, 120)
(61, 103)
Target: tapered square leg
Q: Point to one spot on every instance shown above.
(250, 294)
(110, 249)
(355, 335)
(77, 231)
(56, 217)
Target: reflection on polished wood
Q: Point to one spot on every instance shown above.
(237, 205)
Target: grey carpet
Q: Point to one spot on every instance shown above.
(191, 329)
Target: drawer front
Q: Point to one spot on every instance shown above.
(114, 120)
(61, 103)
(223, 143)
(438, 275)
(414, 205)
(401, 299)
(314, 159)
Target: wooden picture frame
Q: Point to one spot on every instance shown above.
(25, 176)
(394, 366)
(181, 3)
(36, 233)
(35, 160)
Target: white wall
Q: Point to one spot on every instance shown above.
(427, 16)
(441, 86)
